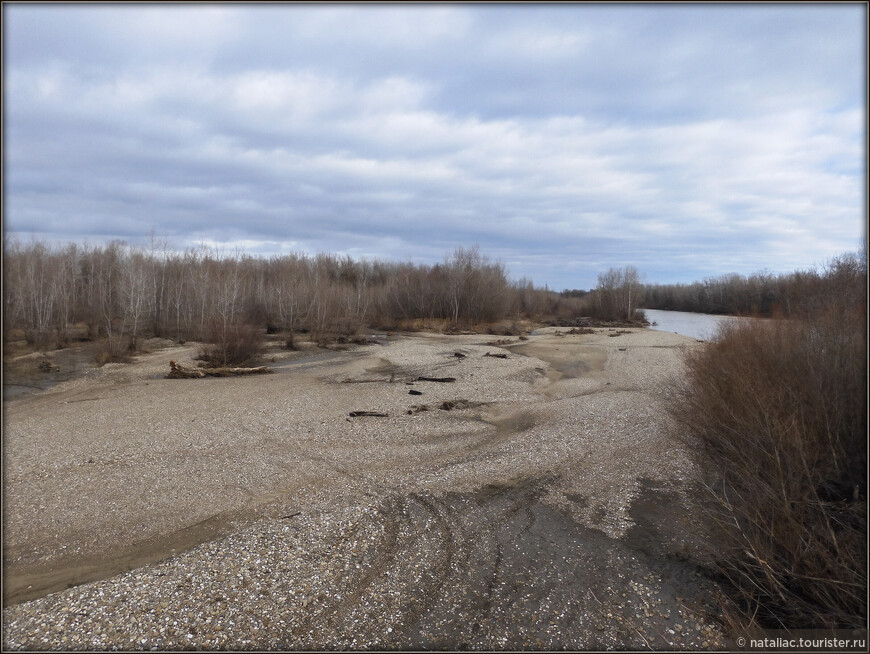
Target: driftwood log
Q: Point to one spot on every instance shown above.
(373, 414)
(177, 371)
(445, 380)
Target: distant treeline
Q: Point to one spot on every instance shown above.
(124, 293)
(796, 294)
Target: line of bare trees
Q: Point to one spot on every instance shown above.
(123, 293)
(761, 294)
(618, 295)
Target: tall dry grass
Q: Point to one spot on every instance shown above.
(775, 413)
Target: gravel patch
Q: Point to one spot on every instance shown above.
(544, 510)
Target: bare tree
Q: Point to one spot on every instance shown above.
(66, 290)
(39, 292)
(134, 289)
(159, 251)
(13, 285)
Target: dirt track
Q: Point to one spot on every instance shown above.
(545, 510)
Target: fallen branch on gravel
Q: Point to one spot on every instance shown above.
(437, 379)
(177, 371)
(497, 356)
(373, 414)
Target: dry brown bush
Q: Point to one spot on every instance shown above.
(110, 350)
(231, 345)
(775, 414)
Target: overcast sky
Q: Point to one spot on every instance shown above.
(689, 141)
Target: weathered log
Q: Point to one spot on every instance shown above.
(498, 356)
(373, 414)
(437, 379)
(177, 371)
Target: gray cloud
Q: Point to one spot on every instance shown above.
(688, 141)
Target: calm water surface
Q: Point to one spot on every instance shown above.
(696, 325)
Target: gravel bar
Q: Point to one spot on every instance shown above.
(536, 502)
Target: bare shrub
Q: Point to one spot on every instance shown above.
(290, 342)
(504, 328)
(110, 350)
(231, 345)
(775, 414)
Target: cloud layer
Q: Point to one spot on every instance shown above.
(688, 141)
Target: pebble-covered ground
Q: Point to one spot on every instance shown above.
(536, 502)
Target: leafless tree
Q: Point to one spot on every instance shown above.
(66, 289)
(134, 291)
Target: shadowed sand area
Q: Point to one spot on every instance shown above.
(535, 501)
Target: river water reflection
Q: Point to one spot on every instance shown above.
(696, 325)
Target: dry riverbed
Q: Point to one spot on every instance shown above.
(535, 502)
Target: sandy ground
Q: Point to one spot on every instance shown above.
(544, 510)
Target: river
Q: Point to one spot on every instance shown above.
(697, 325)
